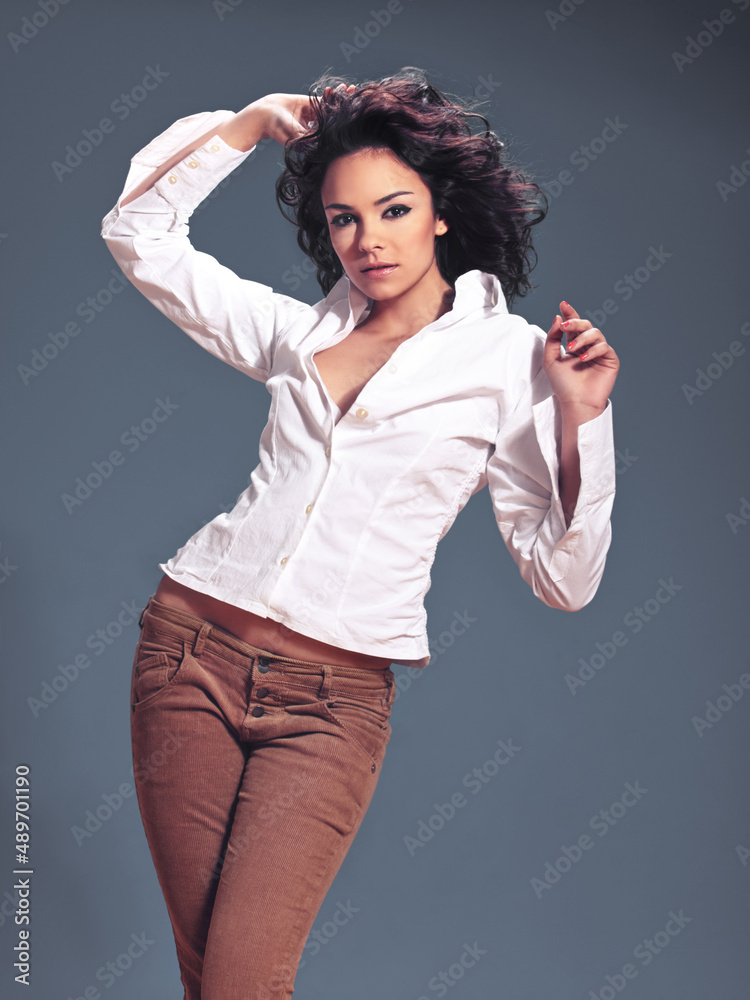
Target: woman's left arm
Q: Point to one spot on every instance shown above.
(582, 380)
(551, 474)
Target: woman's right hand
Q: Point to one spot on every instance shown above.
(285, 116)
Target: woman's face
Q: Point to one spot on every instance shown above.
(379, 210)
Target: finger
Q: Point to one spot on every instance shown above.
(556, 330)
(568, 311)
(583, 339)
(576, 325)
(553, 343)
(592, 352)
(575, 328)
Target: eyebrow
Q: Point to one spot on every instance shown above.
(380, 201)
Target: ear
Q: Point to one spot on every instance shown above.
(441, 227)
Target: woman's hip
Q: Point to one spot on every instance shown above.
(185, 662)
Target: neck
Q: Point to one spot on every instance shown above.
(411, 312)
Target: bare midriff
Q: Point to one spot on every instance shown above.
(258, 631)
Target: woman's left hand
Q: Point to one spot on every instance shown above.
(586, 373)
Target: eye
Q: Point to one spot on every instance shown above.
(339, 221)
(336, 220)
(402, 209)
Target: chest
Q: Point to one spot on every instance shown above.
(347, 367)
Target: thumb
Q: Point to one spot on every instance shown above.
(291, 128)
(553, 342)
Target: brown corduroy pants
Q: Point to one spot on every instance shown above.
(253, 773)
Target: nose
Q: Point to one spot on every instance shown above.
(370, 238)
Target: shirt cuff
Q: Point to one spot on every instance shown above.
(193, 179)
(596, 452)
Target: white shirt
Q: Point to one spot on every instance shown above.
(336, 534)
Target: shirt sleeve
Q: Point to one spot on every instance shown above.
(562, 565)
(236, 319)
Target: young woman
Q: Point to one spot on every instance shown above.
(261, 688)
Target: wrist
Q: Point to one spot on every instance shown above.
(580, 411)
(246, 129)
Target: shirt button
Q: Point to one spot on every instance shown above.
(308, 508)
(192, 163)
(328, 450)
(215, 147)
(362, 412)
(392, 369)
(172, 179)
(284, 560)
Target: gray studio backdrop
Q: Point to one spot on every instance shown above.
(563, 808)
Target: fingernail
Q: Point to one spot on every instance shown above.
(565, 324)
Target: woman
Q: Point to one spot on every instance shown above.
(261, 687)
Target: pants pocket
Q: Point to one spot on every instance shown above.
(364, 720)
(156, 668)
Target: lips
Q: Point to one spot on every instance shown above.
(377, 267)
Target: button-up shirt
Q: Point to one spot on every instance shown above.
(336, 534)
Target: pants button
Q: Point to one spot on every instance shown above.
(262, 692)
(258, 711)
(263, 664)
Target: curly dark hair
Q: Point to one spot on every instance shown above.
(489, 203)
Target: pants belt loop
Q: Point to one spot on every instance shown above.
(140, 620)
(325, 684)
(200, 639)
(392, 686)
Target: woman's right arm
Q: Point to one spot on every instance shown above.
(242, 132)
(236, 319)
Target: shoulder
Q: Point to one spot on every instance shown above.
(516, 342)
(516, 355)
(293, 312)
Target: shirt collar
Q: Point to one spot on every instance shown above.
(475, 290)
